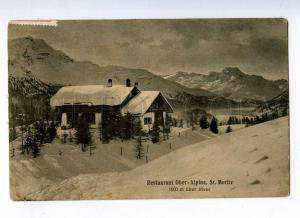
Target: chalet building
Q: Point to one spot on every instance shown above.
(97, 101)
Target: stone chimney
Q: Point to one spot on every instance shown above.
(109, 83)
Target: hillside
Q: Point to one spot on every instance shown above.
(232, 83)
(279, 104)
(255, 159)
(35, 56)
(30, 96)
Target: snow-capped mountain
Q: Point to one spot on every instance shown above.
(35, 59)
(232, 83)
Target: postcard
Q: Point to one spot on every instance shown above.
(148, 109)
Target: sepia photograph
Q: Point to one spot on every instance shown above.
(148, 109)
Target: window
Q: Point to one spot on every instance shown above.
(147, 120)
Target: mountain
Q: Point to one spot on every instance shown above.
(232, 83)
(279, 104)
(34, 58)
(29, 96)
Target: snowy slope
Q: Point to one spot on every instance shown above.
(29, 175)
(256, 159)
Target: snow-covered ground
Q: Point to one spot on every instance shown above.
(60, 161)
(255, 159)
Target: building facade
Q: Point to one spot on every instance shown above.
(94, 102)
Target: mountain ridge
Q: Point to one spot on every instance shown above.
(232, 83)
(35, 56)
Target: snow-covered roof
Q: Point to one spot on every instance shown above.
(141, 102)
(91, 94)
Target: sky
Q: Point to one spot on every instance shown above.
(256, 46)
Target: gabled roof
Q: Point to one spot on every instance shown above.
(91, 94)
(142, 102)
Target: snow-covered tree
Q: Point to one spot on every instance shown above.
(31, 143)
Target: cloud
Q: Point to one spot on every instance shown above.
(166, 46)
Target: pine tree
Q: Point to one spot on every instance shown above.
(28, 139)
(117, 124)
(52, 131)
(257, 120)
(106, 128)
(82, 134)
(155, 132)
(247, 120)
(166, 130)
(31, 143)
(229, 129)
(137, 128)
(35, 148)
(139, 149)
(203, 122)
(127, 127)
(40, 131)
(214, 126)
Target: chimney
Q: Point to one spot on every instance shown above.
(128, 83)
(136, 84)
(109, 83)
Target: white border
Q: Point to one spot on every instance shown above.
(255, 207)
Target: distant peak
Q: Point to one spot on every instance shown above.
(233, 71)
